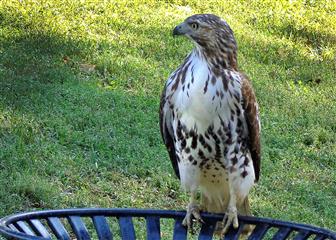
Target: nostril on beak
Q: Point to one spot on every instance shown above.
(178, 30)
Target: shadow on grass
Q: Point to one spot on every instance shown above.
(33, 61)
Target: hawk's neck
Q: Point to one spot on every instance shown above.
(217, 59)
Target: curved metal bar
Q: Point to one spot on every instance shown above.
(129, 212)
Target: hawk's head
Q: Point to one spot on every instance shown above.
(207, 30)
(212, 35)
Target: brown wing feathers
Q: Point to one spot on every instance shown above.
(252, 119)
(167, 138)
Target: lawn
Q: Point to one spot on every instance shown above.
(80, 84)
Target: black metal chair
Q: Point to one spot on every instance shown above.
(95, 223)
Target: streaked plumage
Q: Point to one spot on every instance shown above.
(209, 121)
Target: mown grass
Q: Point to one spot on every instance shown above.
(80, 84)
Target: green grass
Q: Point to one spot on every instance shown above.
(75, 137)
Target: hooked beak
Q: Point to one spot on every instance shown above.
(180, 29)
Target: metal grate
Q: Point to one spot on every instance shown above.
(97, 223)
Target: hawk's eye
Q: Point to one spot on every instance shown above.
(194, 26)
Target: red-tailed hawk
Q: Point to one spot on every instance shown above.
(210, 124)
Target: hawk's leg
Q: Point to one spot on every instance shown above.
(230, 217)
(231, 214)
(193, 211)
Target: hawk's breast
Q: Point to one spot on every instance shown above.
(195, 99)
(203, 124)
